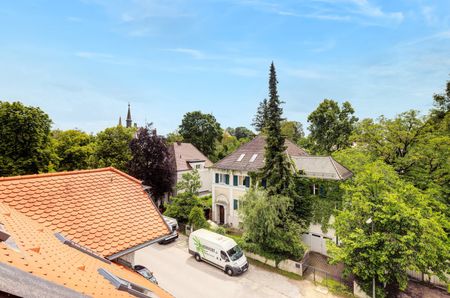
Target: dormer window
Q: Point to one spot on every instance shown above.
(241, 157)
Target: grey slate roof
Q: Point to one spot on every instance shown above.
(323, 167)
(248, 150)
(185, 153)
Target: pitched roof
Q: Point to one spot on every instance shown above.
(323, 167)
(250, 156)
(185, 153)
(44, 262)
(103, 209)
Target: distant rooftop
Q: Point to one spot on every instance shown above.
(250, 156)
(322, 167)
(186, 153)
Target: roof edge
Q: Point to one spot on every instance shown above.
(137, 247)
(67, 173)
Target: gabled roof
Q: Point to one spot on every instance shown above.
(250, 156)
(105, 209)
(323, 167)
(41, 262)
(186, 153)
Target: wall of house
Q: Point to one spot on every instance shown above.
(316, 238)
(205, 178)
(225, 194)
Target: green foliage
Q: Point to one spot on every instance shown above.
(242, 132)
(180, 207)
(174, 137)
(190, 183)
(337, 288)
(74, 149)
(292, 130)
(197, 218)
(111, 148)
(187, 198)
(25, 146)
(331, 126)
(268, 225)
(277, 168)
(441, 103)
(220, 230)
(261, 117)
(201, 130)
(407, 232)
(354, 158)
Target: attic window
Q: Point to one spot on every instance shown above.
(254, 156)
(81, 248)
(126, 286)
(241, 157)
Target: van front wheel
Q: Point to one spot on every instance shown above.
(198, 258)
(229, 271)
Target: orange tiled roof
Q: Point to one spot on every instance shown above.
(42, 254)
(103, 209)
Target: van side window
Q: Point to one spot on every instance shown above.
(224, 256)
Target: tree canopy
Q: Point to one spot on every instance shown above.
(387, 227)
(152, 162)
(25, 146)
(201, 130)
(111, 147)
(331, 126)
(74, 149)
(292, 130)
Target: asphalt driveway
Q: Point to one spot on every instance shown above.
(179, 273)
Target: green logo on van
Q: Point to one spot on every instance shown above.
(199, 246)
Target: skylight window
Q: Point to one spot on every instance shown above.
(126, 286)
(254, 156)
(241, 157)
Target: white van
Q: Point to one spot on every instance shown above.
(217, 250)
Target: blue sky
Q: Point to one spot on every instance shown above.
(83, 61)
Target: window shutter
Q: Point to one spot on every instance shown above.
(227, 179)
(235, 180)
(235, 204)
(217, 178)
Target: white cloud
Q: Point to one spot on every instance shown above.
(196, 54)
(93, 55)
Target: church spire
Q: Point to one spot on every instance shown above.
(129, 121)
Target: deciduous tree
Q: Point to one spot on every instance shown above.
(74, 149)
(201, 130)
(25, 146)
(112, 147)
(331, 126)
(388, 227)
(152, 162)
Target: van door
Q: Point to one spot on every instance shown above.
(223, 259)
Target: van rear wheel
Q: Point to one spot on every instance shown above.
(229, 271)
(198, 258)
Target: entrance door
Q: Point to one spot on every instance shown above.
(221, 215)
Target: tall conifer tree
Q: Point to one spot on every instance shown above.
(276, 171)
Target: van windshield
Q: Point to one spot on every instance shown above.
(235, 253)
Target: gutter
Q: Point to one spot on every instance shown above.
(137, 247)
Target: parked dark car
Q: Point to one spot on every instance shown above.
(142, 270)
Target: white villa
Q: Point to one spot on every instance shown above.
(188, 158)
(231, 180)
